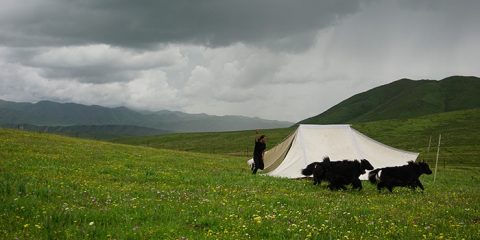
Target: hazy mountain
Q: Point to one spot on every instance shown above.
(403, 99)
(47, 113)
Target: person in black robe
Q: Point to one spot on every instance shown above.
(258, 153)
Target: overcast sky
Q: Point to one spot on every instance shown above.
(274, 59)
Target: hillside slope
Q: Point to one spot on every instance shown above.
(90, 131)
(238, 143)
(460, 132)
(403, 99)
(460, 136)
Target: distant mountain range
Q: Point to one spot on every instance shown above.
(401, 99)
(63, 115)
(404, 98)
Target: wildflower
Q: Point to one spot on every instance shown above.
(91, 223)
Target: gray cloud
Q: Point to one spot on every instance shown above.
(280, 23)
(96, 63)
(149, 89)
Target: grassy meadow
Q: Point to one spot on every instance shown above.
(459, 145)
(460, 130)
(237, 143)
(54, 187)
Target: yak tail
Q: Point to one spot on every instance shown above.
(309, 169)
(372, 176)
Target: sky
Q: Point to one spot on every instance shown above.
(273, 59)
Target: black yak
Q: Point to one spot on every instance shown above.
(338, 174)
(317, 169)
(402, 176)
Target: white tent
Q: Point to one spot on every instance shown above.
(310, 143)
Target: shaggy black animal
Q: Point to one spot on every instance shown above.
(338, 174)
(346, 172)
(402, 176)
(318, 170)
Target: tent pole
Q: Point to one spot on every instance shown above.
(429, 142)
(428, 148)
(436, 161)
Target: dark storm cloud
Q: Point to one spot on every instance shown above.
(126, 23)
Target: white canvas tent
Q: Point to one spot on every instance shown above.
(310, 143)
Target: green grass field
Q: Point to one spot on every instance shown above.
(460, 138)
(460, 130)
(238, 143)
(54, 187)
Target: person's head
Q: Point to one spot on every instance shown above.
(262, 138)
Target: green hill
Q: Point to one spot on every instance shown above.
(460, 132)
(47, 113)
(404, 99)
(54, 187)
(459, 129)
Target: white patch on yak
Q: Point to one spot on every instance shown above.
(377, 176)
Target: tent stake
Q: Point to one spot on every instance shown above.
(436, 161)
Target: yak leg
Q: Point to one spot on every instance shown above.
(317, 180)
(418, 183)
(380, 186)
(335, 186)
(357, 184)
